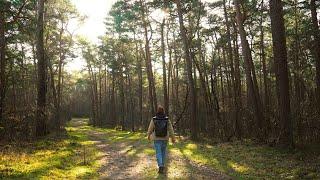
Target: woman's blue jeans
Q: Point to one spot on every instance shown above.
(161, 150)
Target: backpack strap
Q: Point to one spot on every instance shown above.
(157, 118)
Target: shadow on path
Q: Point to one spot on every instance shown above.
(128, 155)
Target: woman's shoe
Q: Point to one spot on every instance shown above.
(161, 170)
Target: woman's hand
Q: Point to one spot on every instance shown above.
(173, 140)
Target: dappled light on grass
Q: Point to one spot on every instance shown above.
(237, 167)
(149, 151)
(57, 159)
(177, 167)
(191, 146)
(175, 151)
(190, 150)
(246, 160)
(132, 152)
(238, 159)
(80, 154)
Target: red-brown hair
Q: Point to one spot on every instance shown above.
(160, 110)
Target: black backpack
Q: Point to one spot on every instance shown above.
(161, 126)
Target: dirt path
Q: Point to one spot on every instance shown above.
(128, 156)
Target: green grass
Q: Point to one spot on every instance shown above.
(244, 160)
(51, 158)
(241, 160)
(63, 158)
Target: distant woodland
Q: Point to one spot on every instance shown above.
(226, 70)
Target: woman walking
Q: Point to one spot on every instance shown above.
(160, 129)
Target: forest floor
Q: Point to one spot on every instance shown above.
(88, 152)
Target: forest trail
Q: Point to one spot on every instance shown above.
(130, 156)
(88, 152)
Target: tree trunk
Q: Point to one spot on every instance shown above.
(122, 100)
(204, 89)
(169, 69)
(106, 92)
(203, 75)
(2, 60)
(52, 84)
(165, 89)
(100, 95)
(13, 83)
(280, 60)
(152, 89)
(113, 100)
(131, 103)
(175, 84)
(59, 80)
(41, 119)
(93, 94)
(235, 88)
(316, 47)
(216, 107)
(193, 100)
(237, 81)
(140, 83)
(264, 70)
(297, 109)
(250, 74)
